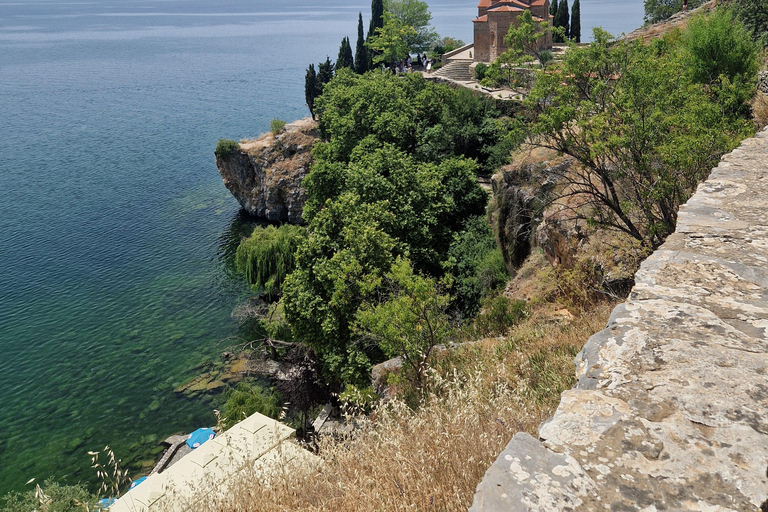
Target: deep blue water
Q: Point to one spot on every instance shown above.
(115, 228)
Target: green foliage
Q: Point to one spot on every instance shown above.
(339, 267)
(390, 42)
(754, 15)
(358, 400)
(553, 8)
(361, 57)
(324, 74)
(52, 497)
(225, 147)
(561, 20)
(276, 126)
(410, 322)
(719, 53)
(644, 135)
(310, 89)
(245, 400)
(576, 22)
(480, 69)
(415, 14)
(499, 314)
(345, 59)
(267, 256)
(444, 45)
(659, 10)
(475, 264)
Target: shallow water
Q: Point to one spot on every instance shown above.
(115, 228)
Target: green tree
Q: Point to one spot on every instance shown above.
(324, 74)
(659, 10)
(361, 57)
(719, 53)
(267, 256)
(553, 8)
(377, 22)
(310, 89)
(754, 15)
(561, 20)
(345, 59)
(390, 43)
(410, 322)
(414, 13)
(576, 22)
(643, 135)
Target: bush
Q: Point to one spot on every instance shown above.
(63, 498)
(480, 70)
(245, 400)
(225, 147)
(276, 126)
(500, 314)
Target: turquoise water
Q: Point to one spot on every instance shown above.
(116, 233)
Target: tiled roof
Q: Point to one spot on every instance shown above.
(484, 3)
(505, 8)
(481, 19)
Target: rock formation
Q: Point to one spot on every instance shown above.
(671, 407)
(265, 174)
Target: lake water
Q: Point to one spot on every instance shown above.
(115, 230)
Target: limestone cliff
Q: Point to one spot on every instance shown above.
(265, 174)
(671, 407)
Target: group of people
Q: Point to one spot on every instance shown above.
(408, 65)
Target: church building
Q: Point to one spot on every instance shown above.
(494, 17)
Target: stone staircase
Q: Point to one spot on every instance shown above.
(456, 70)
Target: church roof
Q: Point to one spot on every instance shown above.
(505, 8)
(484, 3)
(481, 19)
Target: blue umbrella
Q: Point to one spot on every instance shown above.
(200, 436)
(137, 482)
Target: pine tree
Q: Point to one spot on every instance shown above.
(310, 89)
(561, 19)
(576, 22)
(345, 59)
(361, 56)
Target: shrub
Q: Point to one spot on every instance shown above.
(245, 400)
(225, 147)
(500, 314)
(58, 498)
(480, 70)
(276, 126)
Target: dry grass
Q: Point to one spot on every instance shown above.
(759, 106)
(432, 458)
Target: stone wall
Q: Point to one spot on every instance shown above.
(671, 407)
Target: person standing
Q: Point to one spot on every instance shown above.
(685, 5)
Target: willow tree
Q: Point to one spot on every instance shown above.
(267, 256)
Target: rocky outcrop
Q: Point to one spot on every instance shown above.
(265, 174)
(671, 407)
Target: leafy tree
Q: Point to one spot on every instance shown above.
(476, 265)
(345, 60)
(444, 45)
(267, 256)
(245, 400)
(576, 22)
(720, 54)
(561, 20)
(754, 15)
(643, 135)
(390, 43)
(411, 321)
(361, 57)
(311, 88)
(414, 13)
(301, 386)
(339, 267)
(659, 10)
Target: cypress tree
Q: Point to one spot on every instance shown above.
(553, 9)
(377, 21)
(361, 57)
(561, 18)
(310, 89)
(344, 59)
(576, 22)
(324, 74)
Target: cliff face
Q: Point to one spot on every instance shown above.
(265, 174)
(671, 407)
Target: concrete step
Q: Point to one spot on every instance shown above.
(456, 70)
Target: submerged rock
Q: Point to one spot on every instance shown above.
(265, 174)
